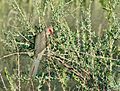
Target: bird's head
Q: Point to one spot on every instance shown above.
(49, 31)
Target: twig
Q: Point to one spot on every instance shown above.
(101, 57)
(63, 58)
(32, 85)
(18, 63)
(94, 56)
(69, 67)
(59, 77)
(3, 82)
(48, 70)
(19, 83)
(12, 54)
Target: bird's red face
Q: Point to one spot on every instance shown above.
(49, 31)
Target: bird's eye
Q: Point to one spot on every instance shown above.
(50, 31)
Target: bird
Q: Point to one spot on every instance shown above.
(41, 43)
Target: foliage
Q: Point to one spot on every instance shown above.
(78, 59)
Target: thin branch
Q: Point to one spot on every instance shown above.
(48, 70)
(63, 58)
(73, 69)
(18, 61)
(94, 56)
(12, 54)
(77, 73)
(3, 82)
(58, 75)
(87, 54)
(101, 57)
(32, 85)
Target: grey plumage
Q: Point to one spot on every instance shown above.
(40, 47)
(40, 42)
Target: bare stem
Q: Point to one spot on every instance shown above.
(3, 82)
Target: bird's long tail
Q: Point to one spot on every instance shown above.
(34, 68)
(35, 64)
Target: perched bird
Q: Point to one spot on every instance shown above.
(41, 43)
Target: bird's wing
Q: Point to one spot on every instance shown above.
(40, 43)
(40, 47)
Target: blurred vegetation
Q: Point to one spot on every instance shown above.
(84, 53)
